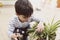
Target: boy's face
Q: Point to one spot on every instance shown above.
(23, 18)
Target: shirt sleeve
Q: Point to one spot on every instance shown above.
(10, 27)
(37, 19)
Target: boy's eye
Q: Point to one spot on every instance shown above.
(24, 17)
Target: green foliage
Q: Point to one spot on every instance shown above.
(49, 31)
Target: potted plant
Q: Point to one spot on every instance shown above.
(48, 32)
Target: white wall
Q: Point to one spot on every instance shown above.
(48, 9)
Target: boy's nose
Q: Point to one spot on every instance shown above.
(26, 20)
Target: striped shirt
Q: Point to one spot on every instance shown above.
(15, 22)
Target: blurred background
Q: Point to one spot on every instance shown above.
(45, 9)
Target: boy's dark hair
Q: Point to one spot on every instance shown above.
(23, 7)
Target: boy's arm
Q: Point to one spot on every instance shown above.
(40, 26)
(36, 19)
(10, 28)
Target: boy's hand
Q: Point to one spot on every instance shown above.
(40, 27)
(15, 39)
(14, 36)
(19, 35)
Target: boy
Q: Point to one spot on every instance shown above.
(19, 24)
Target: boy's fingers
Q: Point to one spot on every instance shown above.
(14, 36)
(19, 35)
(16, 39)
(39, 30)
